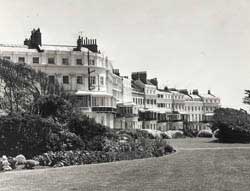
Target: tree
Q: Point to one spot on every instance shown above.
(21, 86)
(233, 125)
(246, 99)
(54, 106)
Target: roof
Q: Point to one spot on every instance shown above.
(195, 97)
(187, 97)
(61, 48)
(164, 91)
(16, 48)
(207, 95)
(149, 83)
(45, 47)
(136, 87)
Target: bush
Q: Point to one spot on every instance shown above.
(205, 134)
(175, 134)
(134, 133)
(88, 130)
(32, 135)
(233, 125)
(216, 133)
(53, 106)
(153, 133)
(190, 132)
(165, 135)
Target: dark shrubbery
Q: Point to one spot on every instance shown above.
(90, 132)
(32, 135)
(135, 133)
(177, 134)
(53, 106)
(190, 132)
(233, 125)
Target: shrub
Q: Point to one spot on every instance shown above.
(32, 135)
(87, 129)
(53, 106)
(190, 132)
(20, 159)
(30, 164)
(134, 133)
(175, 134)
(216, 133)
(153, 133)
(165, 135)
(205, 133)
(233, 125)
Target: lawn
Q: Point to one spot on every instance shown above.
(199, 164)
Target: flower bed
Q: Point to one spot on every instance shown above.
(113, 151)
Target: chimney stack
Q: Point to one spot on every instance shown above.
(35, 40)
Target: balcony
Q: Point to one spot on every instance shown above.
(102, 109)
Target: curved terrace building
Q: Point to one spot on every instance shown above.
(81, 69)
(102, 94)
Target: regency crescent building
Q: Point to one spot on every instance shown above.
(103, 94)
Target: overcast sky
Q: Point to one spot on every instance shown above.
(192, 44)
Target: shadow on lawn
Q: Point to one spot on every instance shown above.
(227, 141)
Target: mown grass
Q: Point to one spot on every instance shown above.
(192, 170)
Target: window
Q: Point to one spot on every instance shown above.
(65, 61)
(79, 61)
(51, 60)
(79, 80)
(52, 79)
(21, 59)
(6, 57)
(35, 60)
(65, 79)
(91, 62)
(92, 80)
(102, 80)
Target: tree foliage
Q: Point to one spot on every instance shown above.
(21, 86)
(233, 125)
(87, 129)
(246, 99)
(54, 106)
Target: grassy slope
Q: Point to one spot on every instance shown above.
(223, 169)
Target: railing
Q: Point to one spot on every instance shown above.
(104, 109)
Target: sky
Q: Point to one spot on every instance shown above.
(186, 44)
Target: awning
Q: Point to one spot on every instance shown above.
(126, 104)
(209, 114)
(93, 93)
